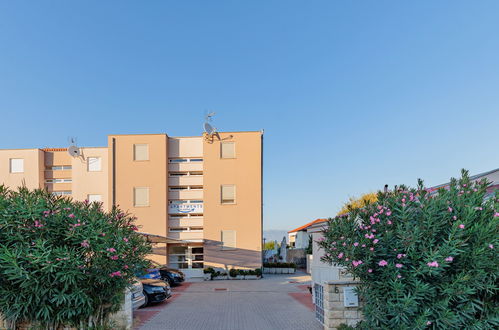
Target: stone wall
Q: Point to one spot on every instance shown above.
(335, 313)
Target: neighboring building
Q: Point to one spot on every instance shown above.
(299, 238)
(204, 192)
(324, 272)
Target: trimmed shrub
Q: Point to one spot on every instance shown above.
(64, 262)
(423, 260)
(234, 272)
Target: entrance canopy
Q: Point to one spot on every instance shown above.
(161, 239)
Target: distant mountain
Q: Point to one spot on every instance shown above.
(275, 235)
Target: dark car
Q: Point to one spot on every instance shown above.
(155, 290)
(171, 275)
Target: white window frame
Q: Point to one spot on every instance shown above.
(97, 200)
(148, 197)
(135, 152)
(94, 164)
(224, 247)
(221, 149)
(16, 165)
(221, 194)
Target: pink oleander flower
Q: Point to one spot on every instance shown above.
(376, 241)
(399, 265)
(388, 213)
(363, 245)
(491, 246)
(113, 274)
(399, 256)
(111, 250)
(428, 323)
(356, 263)
(369, 270)
(85, 244)
(346, 259)
(372, 249)
(450, 209)
(125, 267)
(496, 214)
(399, 276)
(321, 239)
(71, 215)
(383, 263)
(454, 217)
(449, 259)
(389, 222)
(344, 244)
(340, 255)
(356, 244)
(114, 257)
(403, 200)
(478, 208)
(433, 264)
(461, 226)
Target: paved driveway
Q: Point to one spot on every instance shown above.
(274, 302)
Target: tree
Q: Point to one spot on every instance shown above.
(423, 261)
(64, 263)
(270, 245)
(358, 203)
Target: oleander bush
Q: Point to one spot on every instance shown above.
(423, 260)
(64, 263)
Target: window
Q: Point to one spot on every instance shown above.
(58, 181)
(228, 194)
(59, 168)
(179, 173)
(94, 198)
(196, 173)
(140, 152)
(178, 229)
(178, 188)
(93, 164)
(16, 165)
(61, 193)
(228, 239)
(227, 150)
(196, 187)
(141, 196)
(185, 160)
(178, 160)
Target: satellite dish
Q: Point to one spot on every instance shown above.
(209, 129)
(207, 126)
(74, 151)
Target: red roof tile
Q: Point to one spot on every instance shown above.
(307, 225)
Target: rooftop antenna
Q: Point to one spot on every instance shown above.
(73, 149)
(210, 130)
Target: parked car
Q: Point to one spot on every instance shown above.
(155, 290)
(171, 275)
(151, 273)
(138, 297)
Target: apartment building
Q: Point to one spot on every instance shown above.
(203, 193)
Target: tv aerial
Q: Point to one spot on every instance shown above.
(73, 149)
(208, 128)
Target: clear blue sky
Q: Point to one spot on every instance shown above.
(351, 94)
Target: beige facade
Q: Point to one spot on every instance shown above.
(203, 192)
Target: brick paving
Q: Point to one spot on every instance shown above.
(271, 303)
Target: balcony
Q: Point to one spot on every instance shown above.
(185, 194)
(186, 180)
(62, 174)
(181, 167)
(185, 222)
(186, 235)
(58, 186)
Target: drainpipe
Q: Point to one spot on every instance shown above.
(114, 172)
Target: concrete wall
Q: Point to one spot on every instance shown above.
(32, 176)
(245, 216)
(150, 173)
(91, 182)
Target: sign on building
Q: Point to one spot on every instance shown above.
(185, 208)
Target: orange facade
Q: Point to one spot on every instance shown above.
(204, 193)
